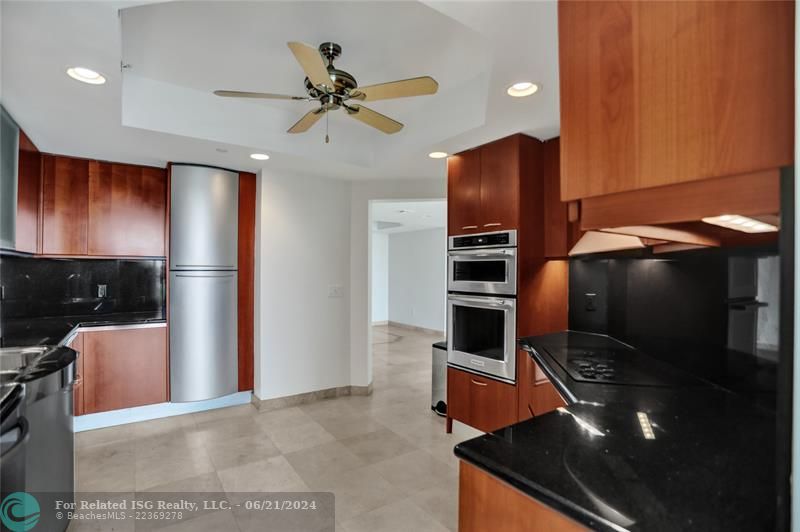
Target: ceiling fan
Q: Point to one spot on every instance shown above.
(334, 88)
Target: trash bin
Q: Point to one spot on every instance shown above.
(439, 379)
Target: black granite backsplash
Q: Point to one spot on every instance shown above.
(712, 312)
(45, 287)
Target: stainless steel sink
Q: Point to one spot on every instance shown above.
(16, 359)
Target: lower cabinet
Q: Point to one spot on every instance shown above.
(487, 503)
(77, 386)
(543, 395)
(480, 402)
(123, 368)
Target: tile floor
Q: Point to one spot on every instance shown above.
(386, 456)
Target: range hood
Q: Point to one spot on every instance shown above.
(599, 242)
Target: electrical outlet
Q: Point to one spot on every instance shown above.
(590, 302)
(335, 290)
(102, 290)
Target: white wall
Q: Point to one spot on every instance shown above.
(380, 277)
(417, 278)
(303, 248)
(362, 193)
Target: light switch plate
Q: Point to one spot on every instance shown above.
(335, 290)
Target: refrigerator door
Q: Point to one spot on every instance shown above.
(202, 340)
(204, 207)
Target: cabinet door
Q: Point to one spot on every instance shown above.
(480, 402)
(500, 181)
(127, 210)
(77, 386)
(29, 188)
(464, 193)
(657, 93)
(65, 205)
(124, 368)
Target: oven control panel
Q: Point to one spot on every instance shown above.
(484, 240)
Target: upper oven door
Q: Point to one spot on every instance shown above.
(483, 271)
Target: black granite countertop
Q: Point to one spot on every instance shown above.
(53, 330)
(709, 463)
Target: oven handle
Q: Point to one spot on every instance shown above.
(483, 301)
(502, 253)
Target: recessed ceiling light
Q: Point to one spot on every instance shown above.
(741, 223)
(523, 88)
(86, 75)
(259, 156)
(437, 155)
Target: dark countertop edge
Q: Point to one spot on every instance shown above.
(544, 365)
(536, 492)
(105, 323)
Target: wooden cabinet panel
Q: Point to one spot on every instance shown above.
(487, 503)
(29, 186)
(124, 368)
(500, 184)
(246, 279)
(657, 93)
(560, 235)
(77, 386)
(127, 210)
(464, 193)
(480, 402)
(65, 205)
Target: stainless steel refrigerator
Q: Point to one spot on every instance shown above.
(204, 207)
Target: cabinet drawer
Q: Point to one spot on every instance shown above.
(480, 402)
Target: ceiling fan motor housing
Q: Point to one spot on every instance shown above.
(343, 82)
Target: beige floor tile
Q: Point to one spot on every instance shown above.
(400, 516)
(219, 521)
(321, 460)
(272, 475)
(223, 430)
(441, 502)
(357, 491)
(412, 472)
(349, 425)
(242, 450)
(299, 437)
(207, 482)
(110, 467)
(225, 413)
(161, 426)
(378, 446)
(281, 419)
(89, 438)
(154, 471)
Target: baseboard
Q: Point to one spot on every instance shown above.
(148, 412)
(377, 323)
(414, 328)
(266, 405)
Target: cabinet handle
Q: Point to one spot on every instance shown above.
(479, 383)
(493, 224)
(470, 227)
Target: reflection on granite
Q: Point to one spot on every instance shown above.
(678, 456)
(45, 298)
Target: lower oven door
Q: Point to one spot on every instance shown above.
(481, 334)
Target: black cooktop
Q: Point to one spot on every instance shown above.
(598, 358)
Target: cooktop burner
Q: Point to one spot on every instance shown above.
(594, 358)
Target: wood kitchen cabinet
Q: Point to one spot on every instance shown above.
(77, 385)
(127, 210)
(560, 235)
(65, 205)
(487, 503)
(660, 93)
(542, 396)
(486, 185)
(29, 187)
(464, 192)
(480, 402)
(124, 367)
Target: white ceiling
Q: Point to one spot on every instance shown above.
(410, 215)
(162, 108)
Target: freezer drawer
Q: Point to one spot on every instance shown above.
(202, 335)
(204, 219)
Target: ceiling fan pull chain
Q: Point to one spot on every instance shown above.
(327, 138)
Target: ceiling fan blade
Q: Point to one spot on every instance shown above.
(396, 89)
(308, 120)
(312, 63)
(262, 95)
(374, 119)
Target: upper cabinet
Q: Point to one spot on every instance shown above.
(65, 205)
(464, 192)
(484, 185)
(127, 210)
(29, 188)
(92, 208)
(662, 93)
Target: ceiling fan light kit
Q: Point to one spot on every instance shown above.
(334, 89)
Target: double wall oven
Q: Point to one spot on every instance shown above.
(482, 304)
